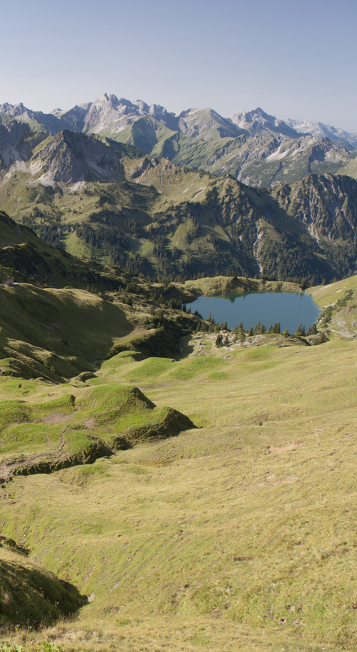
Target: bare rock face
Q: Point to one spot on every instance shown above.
(259, 122)
(325, 204)
(17, 141)
(70, 158)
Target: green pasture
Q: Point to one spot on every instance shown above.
(238, 534)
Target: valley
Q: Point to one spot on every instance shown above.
(166, 482)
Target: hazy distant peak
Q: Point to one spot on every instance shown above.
(320, 130)
(107, 99)
(14, 110)
(143, 107)
(186, 112)
(110, 115)
(259, 122)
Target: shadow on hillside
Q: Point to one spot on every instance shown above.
(33, 596)
(186, 347)
(56, 334)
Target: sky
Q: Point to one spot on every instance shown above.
(293, 58)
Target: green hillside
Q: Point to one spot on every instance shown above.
(236, 534)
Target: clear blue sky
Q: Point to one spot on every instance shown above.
(294, 58)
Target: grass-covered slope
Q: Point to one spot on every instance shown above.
(56, 333)
(236, 535)
(31, 595)
(26, 257)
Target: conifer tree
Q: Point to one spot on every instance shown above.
(250, 332)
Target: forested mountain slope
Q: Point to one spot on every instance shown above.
(99, 199)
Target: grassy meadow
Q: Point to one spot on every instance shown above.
(236, 534)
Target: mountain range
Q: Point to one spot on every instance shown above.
(254, 147)
(103, 200)
(113, 201)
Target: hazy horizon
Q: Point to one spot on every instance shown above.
(294, 61)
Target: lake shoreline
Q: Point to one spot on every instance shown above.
(253, 309)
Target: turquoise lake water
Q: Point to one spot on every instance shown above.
(290, 309)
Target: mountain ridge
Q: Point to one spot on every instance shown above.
(247, 145)
(115, 108)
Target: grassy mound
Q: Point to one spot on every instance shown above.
(30, 595)
(130, 417)
(44, 437)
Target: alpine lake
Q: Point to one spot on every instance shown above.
(288, 308)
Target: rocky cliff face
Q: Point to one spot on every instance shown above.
(325, 204)
(17, 142)
(70, 158)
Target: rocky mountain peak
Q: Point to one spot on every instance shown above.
(142, 106)
(15, 110)
(105, 99)
(71, 157)
(320, 130)
(258, 122)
